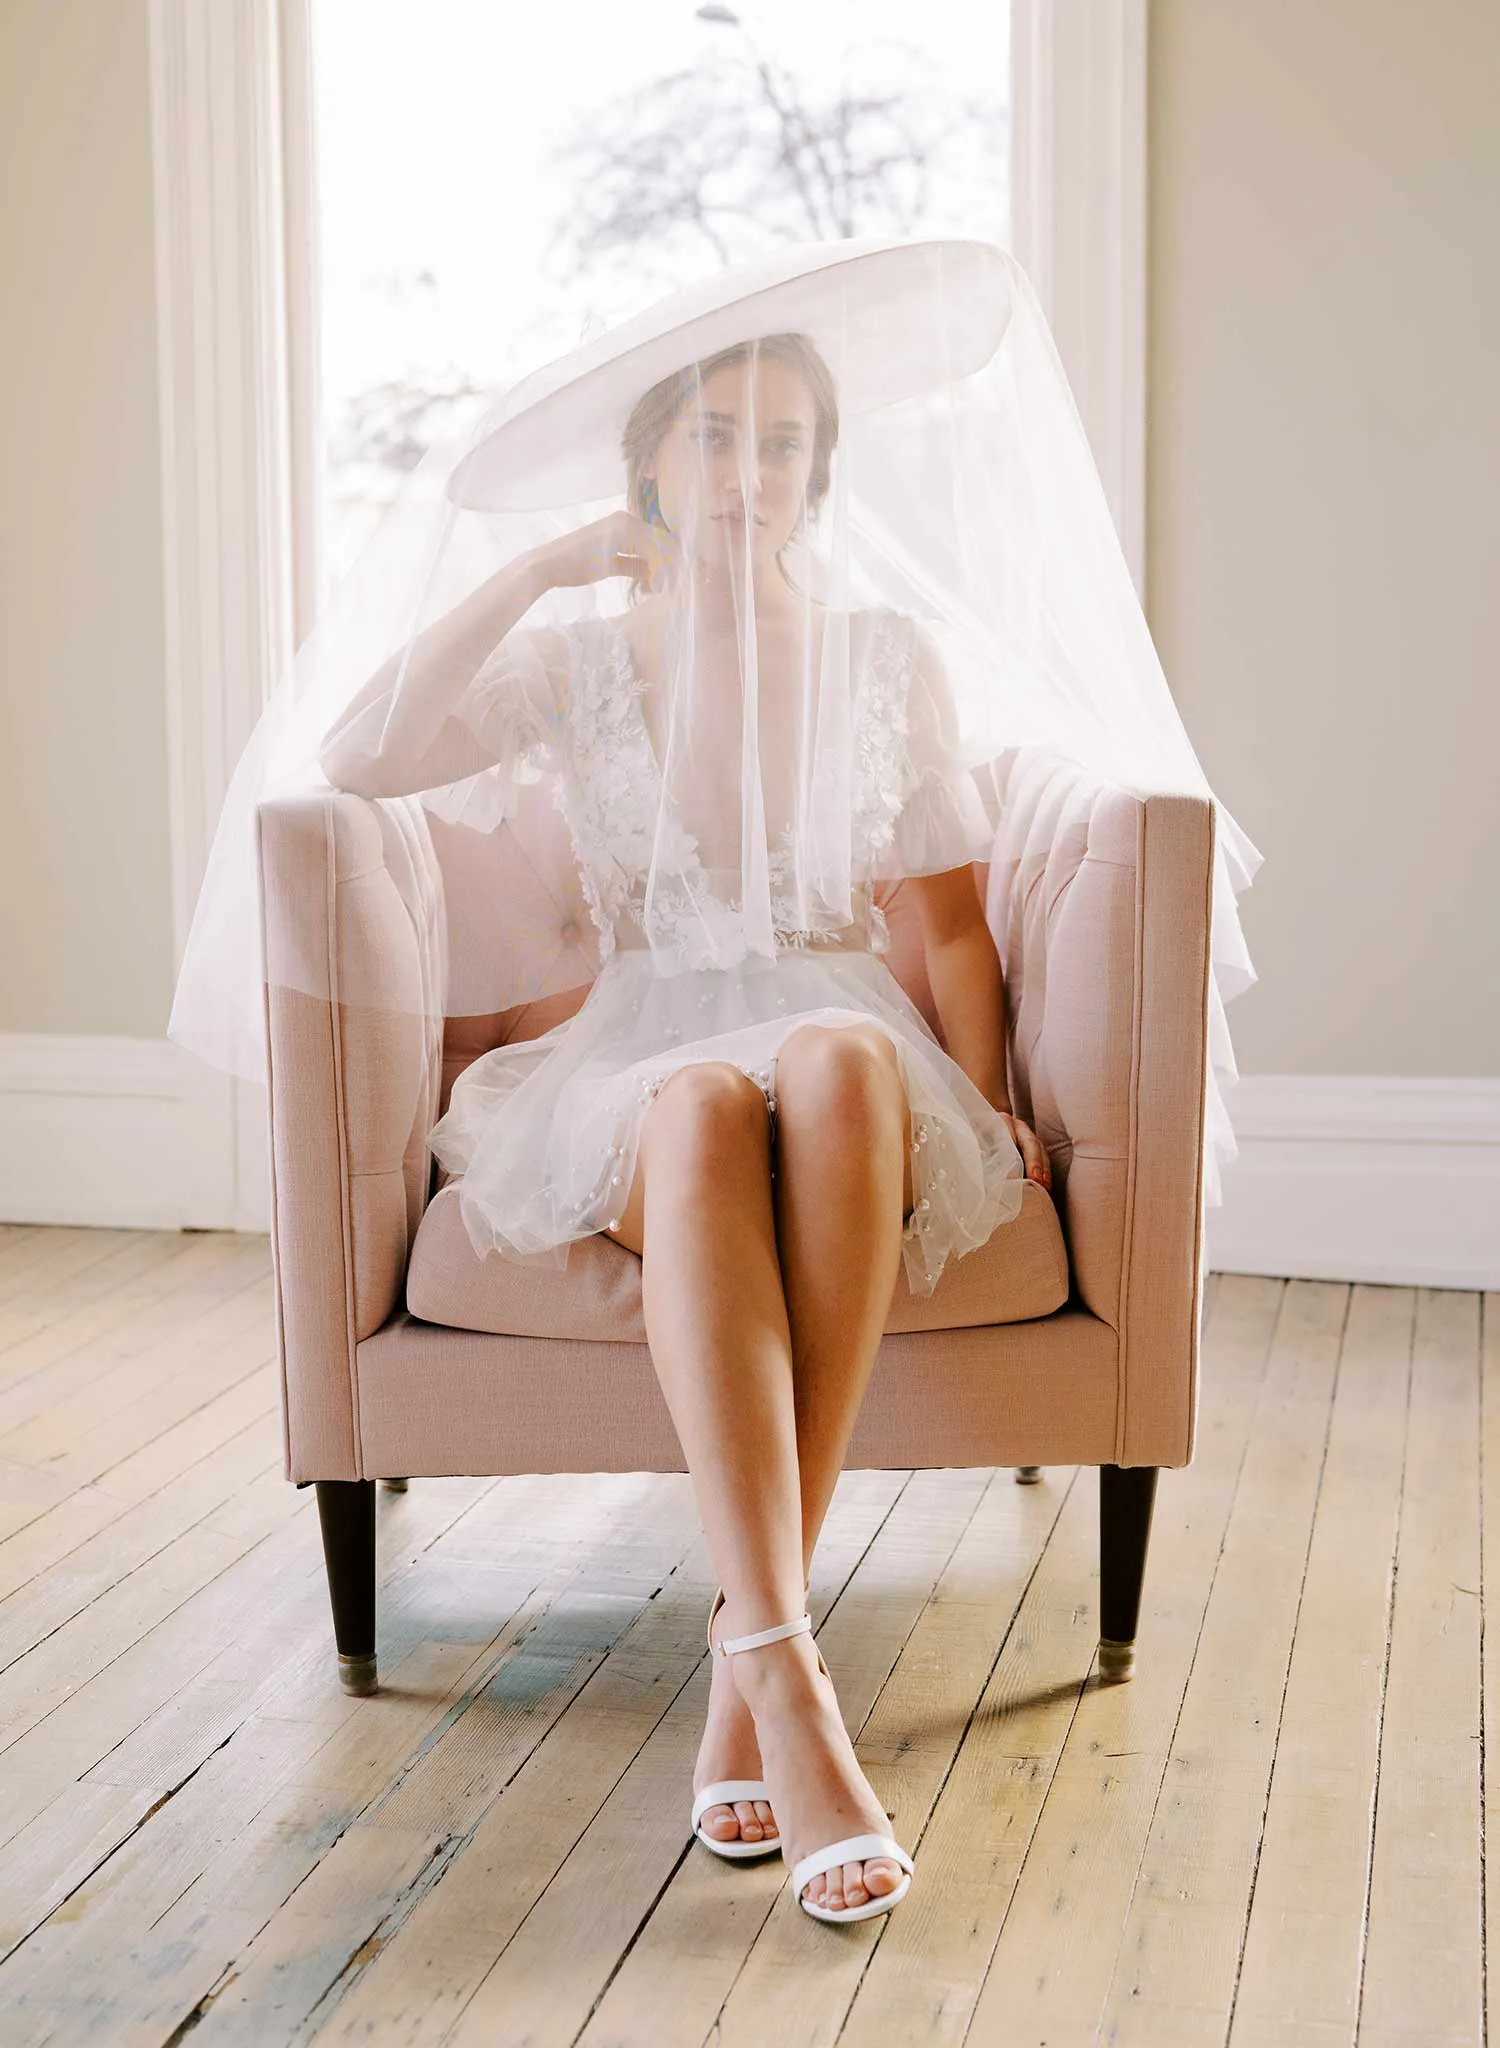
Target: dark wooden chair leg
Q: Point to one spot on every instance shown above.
(346, 1511)
(1127, 1494)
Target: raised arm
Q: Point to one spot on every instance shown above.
(374, 750)
(393, 743)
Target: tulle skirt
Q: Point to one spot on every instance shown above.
(544, 1133)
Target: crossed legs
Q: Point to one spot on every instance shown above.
(764, 1304)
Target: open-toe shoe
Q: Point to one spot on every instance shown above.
(725, 1791)
(853, 1848)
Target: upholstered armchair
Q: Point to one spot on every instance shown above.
(1070, 1338)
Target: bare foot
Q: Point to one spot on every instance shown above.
(817, 1784)
(729, 1750)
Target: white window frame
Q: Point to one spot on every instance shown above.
(240, 415)
(1079, 199)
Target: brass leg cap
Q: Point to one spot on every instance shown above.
(395, 1485)
(1116, 1661)
(357, 1675)
(1028, 1475)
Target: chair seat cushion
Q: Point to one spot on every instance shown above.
(1021, 1273)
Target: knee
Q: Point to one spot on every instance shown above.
(845, 1074)
(711, 1115)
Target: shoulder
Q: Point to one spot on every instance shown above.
(552, 648)
(601, 643)
(886, 626)
(521, 686)
(528, 651)
(897, 645)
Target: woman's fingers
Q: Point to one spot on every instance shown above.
(641, 549)
(1033, 1154)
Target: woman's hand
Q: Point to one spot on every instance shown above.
(1030, 1147)
(619, 544)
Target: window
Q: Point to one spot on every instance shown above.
(490, 194)
(253, 263)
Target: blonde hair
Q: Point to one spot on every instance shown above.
(656, 411)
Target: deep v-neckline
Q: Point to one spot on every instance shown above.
(625, 670)
(614, 794)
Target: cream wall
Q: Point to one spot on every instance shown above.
(87, 943)
(1324, 547)
(1324, 438)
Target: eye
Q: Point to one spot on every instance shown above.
(712, 437)
(784, 445)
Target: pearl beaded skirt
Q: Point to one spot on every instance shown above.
(545, 1133)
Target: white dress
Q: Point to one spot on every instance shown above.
(544, 1133)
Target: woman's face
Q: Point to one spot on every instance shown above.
(737, 458)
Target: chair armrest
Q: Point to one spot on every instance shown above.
(348, 906)
(1099, 899)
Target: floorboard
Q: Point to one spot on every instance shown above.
(1273, 1838)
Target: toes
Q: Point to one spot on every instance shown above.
(749, 1824)
(854, 1884)
(766, 1818)
(720, 1822)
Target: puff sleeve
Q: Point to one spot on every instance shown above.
(513, 709)
(940, 820)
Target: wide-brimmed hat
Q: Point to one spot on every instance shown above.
(554, 439)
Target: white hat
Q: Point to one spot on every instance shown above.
(554, 439)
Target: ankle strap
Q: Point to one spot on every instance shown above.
(732, 1645)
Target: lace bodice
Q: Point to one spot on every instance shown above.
(583, 719)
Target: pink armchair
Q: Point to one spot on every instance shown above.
(1070, 1338)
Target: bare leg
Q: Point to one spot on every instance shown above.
(700, 1212)
(840, 1208)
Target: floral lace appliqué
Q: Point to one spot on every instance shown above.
(612, 801)
(883, 777)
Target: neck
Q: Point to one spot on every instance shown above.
(718, 598)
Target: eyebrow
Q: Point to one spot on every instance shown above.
(727, 419)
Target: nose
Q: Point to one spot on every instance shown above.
(742, 476)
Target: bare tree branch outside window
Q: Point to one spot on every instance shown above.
(698, 168)
(714, 162)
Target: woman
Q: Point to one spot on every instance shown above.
(761, 1117)
(815, 452)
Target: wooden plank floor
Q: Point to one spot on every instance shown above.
(1273, 1838)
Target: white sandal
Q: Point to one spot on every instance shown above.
(854, 1848)
(727, 1790)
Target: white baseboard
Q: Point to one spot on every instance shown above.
(1386, 1178)
(1340, 1177)
(127, 1133)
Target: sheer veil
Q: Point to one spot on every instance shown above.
(914, 481)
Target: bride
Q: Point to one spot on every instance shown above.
(763, 1131)
(856, 554)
